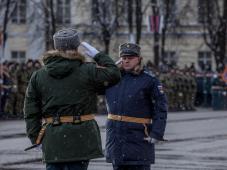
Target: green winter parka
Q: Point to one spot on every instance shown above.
(68, 86)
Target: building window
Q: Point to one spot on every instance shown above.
(204, 8)
(19, 12)
(170, 58)
(205, 61)
(63, 12)
(18, 56)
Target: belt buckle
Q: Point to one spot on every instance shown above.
(56, 121)
(119, 117)
(76, 119)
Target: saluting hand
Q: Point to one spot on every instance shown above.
(87, 50)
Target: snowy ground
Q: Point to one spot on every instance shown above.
(197, 141)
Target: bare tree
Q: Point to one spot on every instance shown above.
(155, 10)
(215, 29)
(139, 20)
(6, 19)
(105, 19)
(44, 18)
(134, 8)
(130, 20)
(163, 19)
(167, 10)
(6, 7)
(50, 22)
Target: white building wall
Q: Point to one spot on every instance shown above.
(186, 43)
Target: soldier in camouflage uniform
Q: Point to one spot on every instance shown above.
(187, 90)
(193, 89)
(180, 97)
(37, 65)
(164, 78)
(12, 98)
(177, 90)
(173, 87)
(5, 87)
(23, 76)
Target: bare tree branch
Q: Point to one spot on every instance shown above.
(106, 14)
(215, 30)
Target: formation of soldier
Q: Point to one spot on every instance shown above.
(179, 85)
(187, 88)
(182, 87)
(14, 80)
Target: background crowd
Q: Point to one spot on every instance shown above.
(185, 88)
(188, 88)
(14, 80)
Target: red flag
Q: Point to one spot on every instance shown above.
(153, 23)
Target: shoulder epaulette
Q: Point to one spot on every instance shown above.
(150, 73)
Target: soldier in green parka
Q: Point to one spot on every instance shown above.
(63, 95)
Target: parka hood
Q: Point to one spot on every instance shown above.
(59, 64)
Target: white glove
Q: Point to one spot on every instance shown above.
(88, 50)
(151, 140)
(118, 62)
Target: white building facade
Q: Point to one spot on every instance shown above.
(184, 43)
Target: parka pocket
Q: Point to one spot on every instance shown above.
(72, 141)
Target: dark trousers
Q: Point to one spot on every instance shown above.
(79, 165)
(131, 167)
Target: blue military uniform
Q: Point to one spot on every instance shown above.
(137, 96)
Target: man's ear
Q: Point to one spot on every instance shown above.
(140, 60)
